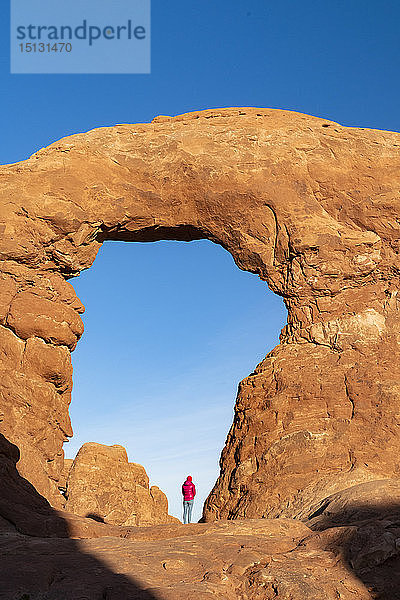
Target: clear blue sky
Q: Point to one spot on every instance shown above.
(172, 327)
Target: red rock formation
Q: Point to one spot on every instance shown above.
(102, 484)
(310, 206)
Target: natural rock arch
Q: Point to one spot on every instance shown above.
(310, 206)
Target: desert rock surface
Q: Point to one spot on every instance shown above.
(102, 484)
(226, 560)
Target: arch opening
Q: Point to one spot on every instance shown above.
(167, 341)
(153, 233)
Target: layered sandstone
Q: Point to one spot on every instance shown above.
(103, 485)
(310, 206)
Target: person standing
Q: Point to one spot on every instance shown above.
(188, 493)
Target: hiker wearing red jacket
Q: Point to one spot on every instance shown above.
(188, 493)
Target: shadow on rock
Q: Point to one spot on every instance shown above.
(41, 556)
(362, 524)
(95, 517)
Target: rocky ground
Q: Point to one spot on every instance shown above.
(252, 559)
(227, 560)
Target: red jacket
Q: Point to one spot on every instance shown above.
(188, 490)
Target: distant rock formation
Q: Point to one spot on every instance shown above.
(103, 485)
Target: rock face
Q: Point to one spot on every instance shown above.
(310, 206)
(102, 484)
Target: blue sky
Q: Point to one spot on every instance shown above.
(170, 330)
(172, 327)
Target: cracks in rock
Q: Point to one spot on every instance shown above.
(327, 409)
(277, 229)
(275, 589)
(352, 460)
(23, 353)
(353, 408)
(275, 378)
(6, 324)
(334, 345)
(292, 255)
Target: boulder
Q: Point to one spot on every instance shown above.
(104, 486)
(364, 502)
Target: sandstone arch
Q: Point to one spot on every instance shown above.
(310, 206)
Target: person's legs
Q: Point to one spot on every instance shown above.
(185, 511)
(190, 508)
